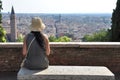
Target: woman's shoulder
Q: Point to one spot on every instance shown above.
(28, 35)
(45, 35)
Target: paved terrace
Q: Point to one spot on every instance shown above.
(69, 53)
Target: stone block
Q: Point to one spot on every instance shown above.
(67, 73)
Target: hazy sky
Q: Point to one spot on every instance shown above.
(59, 6)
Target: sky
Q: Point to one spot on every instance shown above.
(59, 6)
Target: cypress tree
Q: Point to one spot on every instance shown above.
(0, 11)
(115, 28)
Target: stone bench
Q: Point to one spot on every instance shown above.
(67, 73)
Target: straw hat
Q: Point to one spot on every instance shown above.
(37, 24)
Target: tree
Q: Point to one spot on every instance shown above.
(52, 39)
(101, 36)
(59, 39)
(115, 28)
(2, 31)
(0, 11)
(64, 39)
(20, 38)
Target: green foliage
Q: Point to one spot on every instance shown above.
(52, 39)
(115, 27)
(2, 31)
(2, 35)
(0, 11)
(59, 39)
(20, 38)
(101, 36)
(63, 39)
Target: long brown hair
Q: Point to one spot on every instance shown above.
(40, 38)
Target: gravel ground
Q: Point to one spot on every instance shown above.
(13, 76)
(8, 75)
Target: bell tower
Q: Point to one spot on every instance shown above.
(13, 26)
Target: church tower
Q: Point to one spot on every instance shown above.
(13, 26)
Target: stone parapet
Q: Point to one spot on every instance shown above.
(67, 53)
(86, 44)
(68, 44)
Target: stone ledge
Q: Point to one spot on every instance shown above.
(67, 73)
(11, 45)
(86, 44)
(68, 44)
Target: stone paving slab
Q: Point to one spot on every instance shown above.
(67, 73)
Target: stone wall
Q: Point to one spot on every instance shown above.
(76, 53)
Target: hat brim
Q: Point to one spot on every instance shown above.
(36, 28)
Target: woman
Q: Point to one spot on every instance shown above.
(36, 46)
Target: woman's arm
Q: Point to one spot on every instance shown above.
(47, 45)
(24, 47)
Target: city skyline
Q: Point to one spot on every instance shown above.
(60, 6)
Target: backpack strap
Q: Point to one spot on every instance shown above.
(30, 44)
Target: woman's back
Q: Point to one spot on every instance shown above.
(36, 57)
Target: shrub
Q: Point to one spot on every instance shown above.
(101, 36)
(59, 39)
(20, 38)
